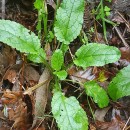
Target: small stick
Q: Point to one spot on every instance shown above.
(121, 37)
(126, 123)
(29, 90)
(39, 124)
(127, 23)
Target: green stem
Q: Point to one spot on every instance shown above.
(110, 22)
(103, 21)
(45, 17)
(58, 3)
(39, 24)
(74, 82)
(48, 66)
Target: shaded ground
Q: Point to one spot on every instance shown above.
(17, 75)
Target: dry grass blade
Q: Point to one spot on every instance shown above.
(31, 89)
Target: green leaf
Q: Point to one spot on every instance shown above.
(37, 58)
(51, 34)
(107, 13)
(95, 54)
(68, 113)
(57, 60)
(120, 85)
(109, 0)
(61, 74)
(64, 48)
(17, 36)
(38, 4)
(107, 9)
(98, 93)
(69, 20)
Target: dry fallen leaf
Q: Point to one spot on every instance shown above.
(30, 74)
(41, 96)
(4, 128)
(10, 97)
(115, 124)
(100, 114)
(7, 58)
(81, 75)
(20, 118)
(11, 75)
(125, 53)
(11, 114)
(92, 127)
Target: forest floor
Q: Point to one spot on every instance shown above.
(17, 74)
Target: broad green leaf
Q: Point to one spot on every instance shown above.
(37, 58)
(69, 20)
(57, 60)
(98, 93)
(61, 74)
(17, 36)
(120, 85)
(95, 54)
(68, 113)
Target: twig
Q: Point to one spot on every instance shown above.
(71, 54)
(126, 123)
(127, 128)
(40, 123)
(127, 23)
(31, 89)
(121, 37)
(52, 124)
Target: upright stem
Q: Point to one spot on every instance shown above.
(48, 66)
(3, 9)
(39, 23)
(45, 17)
(103, 21)
(58, 3)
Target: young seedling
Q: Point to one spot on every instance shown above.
(101, 13)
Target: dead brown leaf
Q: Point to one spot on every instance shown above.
(11, 114)
(81, 75)
(115, 124)
(125, 53)
(31, 75)
(117, 18)
(20, 117)
(100, 113)
(10, 97)
(11, 75)
(7, 58)
(41, 96)
(92, 127)
(4, 128)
